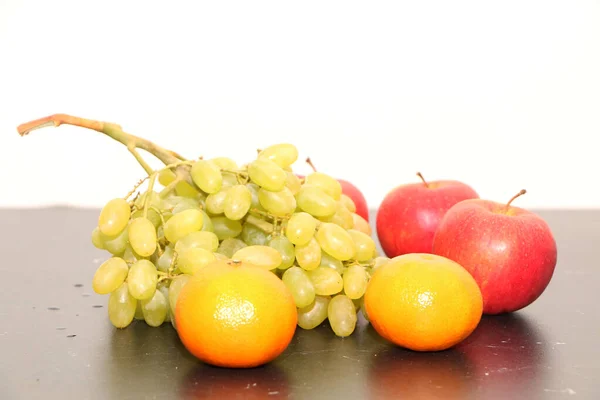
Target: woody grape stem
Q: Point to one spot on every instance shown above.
(113, 131)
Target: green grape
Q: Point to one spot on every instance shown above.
(356, 302)
(152, 215)
(237, 202)
(261, 256)
(363, 309)
(342, 217)
(155, 309)
(97, 240)
(207, 225)
(185, 203)
(314, 314)
(292, 182)
(182, 224)
(121, 306)
(110, 275)
(308, 255)
(361, 224)
(142, 236)
(331, 262)
(253, 235)
(207, 176)
(117, 245)
(300, 228)
(348, 203)
(164, 261)
(202, 239)
(139, 315)
(130, 256)
(266, 174)
(191, 259)
(379, 262)
(142, 279)
(254, 188)
(114, 217)
(215, 202)
(184, 189)
(164, 289)
(330, 185)
(166, 214)
(299, 284)
(230, 180)
(224, 163)
(336, 241)
(365, 246)
(225, 228)
(175, 288)
(342, 315)
(229, 246)
(166, 176)
(277, 203)
(355, 281)
(285, 249)
(221, 257)
(326, 281)
(155, 200)
(169, 203)
(315, 201)
(282, 154)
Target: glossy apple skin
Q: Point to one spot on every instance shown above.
(511, 254)
(409, 214)
(357, 197)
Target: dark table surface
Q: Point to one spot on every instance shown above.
(56, 341)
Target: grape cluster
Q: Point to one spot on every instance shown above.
(305, 230)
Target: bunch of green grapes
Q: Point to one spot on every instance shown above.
(306, 231)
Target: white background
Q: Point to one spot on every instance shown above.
(502, 95)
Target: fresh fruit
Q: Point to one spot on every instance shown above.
(510, 251)
(410, 214)
(110, 275)
(235, 315)
(360, 202)
(306, 233)
(114, 217)
(423, 302)
(350, 190)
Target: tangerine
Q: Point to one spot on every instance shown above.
(235, 315)
(423, 302)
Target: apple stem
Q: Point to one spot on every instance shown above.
(309, 162)
(420, 175)
(521, 193)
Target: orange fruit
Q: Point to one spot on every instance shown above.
(423, 302)
(235, 315)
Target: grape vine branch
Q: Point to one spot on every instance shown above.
(117, 133)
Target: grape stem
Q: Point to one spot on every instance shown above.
(148, 191)
(115, 132)
(162, 218)
(137, 185)
(169, 188)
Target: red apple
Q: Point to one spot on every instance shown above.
(510, 251)
(349, 190)
(409, 214)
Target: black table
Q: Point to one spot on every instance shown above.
(56, 341)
